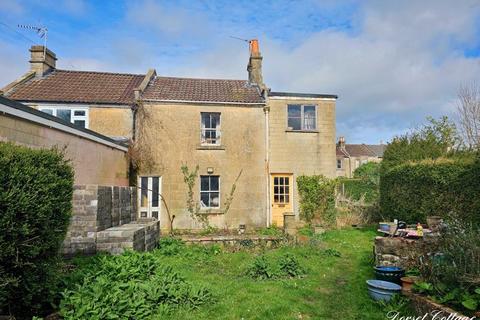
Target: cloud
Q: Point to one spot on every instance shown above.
(391, 62)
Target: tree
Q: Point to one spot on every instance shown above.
(468, 111)
(434, 139)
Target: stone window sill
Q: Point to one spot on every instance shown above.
(303, 131)
(211, 212)
(210, 147)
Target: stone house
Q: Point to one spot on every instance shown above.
(243, 137)
(352, 156)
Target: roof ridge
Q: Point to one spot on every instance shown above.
(100, 72)
(191, 78)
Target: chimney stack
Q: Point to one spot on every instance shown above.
(42, 60)
(254, 67)
(341, 142)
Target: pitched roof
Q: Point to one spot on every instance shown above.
(202, 90)
(378, 149)
(355, 150)
(79, 87)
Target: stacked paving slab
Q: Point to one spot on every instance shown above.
(103, 219)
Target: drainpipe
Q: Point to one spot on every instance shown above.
(266, 110)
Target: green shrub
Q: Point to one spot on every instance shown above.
(413, 191)
(260, 268)
(290, 266)
(36, 189)
(317, 198)
(368, 172)
(357, 189)
(170, 246)
(131, 286)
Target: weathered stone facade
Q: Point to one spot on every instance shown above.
(174, 140)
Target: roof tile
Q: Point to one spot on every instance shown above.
(201, 90)
(79, 87)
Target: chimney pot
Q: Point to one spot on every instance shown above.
(42, 60)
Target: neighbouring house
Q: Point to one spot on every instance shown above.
(243, 137)
(352, 156)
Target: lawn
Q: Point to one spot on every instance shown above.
(333, 287)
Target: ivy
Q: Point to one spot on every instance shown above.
(317, 198)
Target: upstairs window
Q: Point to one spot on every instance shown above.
(302, 117)
(210, 191)
(77, 116)
(210, 134)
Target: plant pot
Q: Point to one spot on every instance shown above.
(390, 274)
(384, 226)
(407, 282)
(434, 221)
(382, 290)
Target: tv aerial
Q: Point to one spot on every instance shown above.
(42, 32)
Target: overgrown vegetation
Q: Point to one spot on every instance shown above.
(130, 286)
(36, 189)
(451, 266)
(426, 173)
(193, 206)
(317, 198)
(228, 293)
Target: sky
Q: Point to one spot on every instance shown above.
(392, 63)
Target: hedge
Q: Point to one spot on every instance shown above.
(414, 190)
(358, 188)
(36, 189)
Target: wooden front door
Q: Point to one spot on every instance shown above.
(281, 195)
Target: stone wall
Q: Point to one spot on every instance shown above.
(399, 252)
(96, 208)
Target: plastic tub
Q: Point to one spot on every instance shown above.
(390, 274)
(382, 290)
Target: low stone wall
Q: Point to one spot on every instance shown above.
(96, 208)
(142, 236)
(430, 310)
(232, 240)
(401, 252)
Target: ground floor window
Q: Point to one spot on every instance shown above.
(210, 191)
(339, 163)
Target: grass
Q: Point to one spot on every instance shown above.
(332, 288)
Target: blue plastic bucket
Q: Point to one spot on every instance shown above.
(382, 290)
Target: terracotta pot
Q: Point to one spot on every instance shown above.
(407, 283)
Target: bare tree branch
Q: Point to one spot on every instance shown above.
(468, 110)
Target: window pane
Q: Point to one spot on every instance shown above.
(275, 198)
(294, 111)
(281, 181)
(309, 118)
(143, 192)
(282, 190)
(204, 183)
(287, 181)
(275, 181)
(79, 113)
(214, 199)
(155, 214)
(80, 123)
(282, 198)
(64, 114)
(143, 214)
(204, 199)
(295, 123)
(214, 183)
(49, 111)
(275, 189)
(155, 197)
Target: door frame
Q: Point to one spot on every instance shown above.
(149, 209)
(272, 190)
